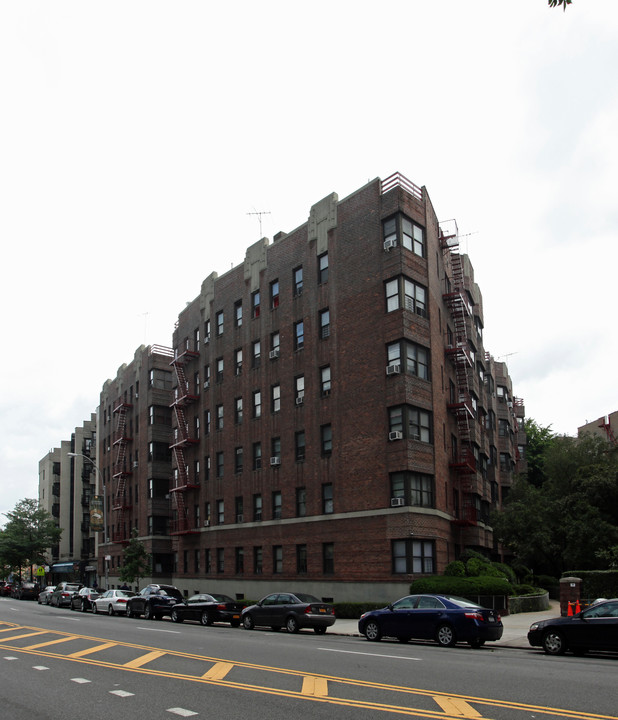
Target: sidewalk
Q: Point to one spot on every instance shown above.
(515, 633)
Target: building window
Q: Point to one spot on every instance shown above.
(238, 313)
(414, 423)
(299, 335)
(326, 439)
(219, 322)
(297, 277)
(256, 354)
(257, 404)
(328, 558)
(275, 398)
(324, 323)
(220, 464)
(238, 361)
(405, 232)
(277, 559)
(276, 497)
(257, 455)
(327, 499)
(220, 512)
(414, 488)
(257, 560)
(301, 502)
(238, 460)
(206, 377)
(220, 559)
(208, 561)
(238, 508)
(401, 292)
(275, 345)
(410, 357)
(219, 365)
(299, 446)
(255, 304)
(196, 560)
(274, 294)
(299, 389)
(257, 507)
(238, 411)
(413, 556)
(301, 559)
(323, 268)
(207, 331)
(219, 420)
(240, 560)
(275, 449)
(207, 422)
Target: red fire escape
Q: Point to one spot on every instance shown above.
(457, 350)
(606, 425)
(122, 470)
(183, 439)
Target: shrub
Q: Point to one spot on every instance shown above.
(464, 586)
(455, 569)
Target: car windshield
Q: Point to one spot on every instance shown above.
(303, 597)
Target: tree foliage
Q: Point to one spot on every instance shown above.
(564, 514)
(26, 537)
(557, 3)
(136, 561)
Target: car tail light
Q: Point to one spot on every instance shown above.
(121, 600)
(475, 616)
(221, 606)
(308, 610)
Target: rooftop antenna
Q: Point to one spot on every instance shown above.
(259, 214)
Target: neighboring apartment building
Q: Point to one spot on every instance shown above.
(338, 424)
(135, 461)
(67, 484)
(605, 427)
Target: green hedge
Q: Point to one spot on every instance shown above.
(353, 610)
(464, 586)
(596, 583)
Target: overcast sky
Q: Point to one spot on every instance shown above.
(136, 138)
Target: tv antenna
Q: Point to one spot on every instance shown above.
(259, 214)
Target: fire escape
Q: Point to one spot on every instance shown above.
(457, 350)
(121, 471)
(183, 439)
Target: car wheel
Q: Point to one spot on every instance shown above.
(110, 610)
(205, 618)
(445, 636)
(130, 613)
(72, 606)
(94, 609)
(554, 643)
(403, 639)
(291, 624)
(176, 616)
(320, 630)
(148, 615)
(247, 622)
(476, 643)
(372, 631)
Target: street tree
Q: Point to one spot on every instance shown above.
(557, 3)
(27, 536)
(136, 562)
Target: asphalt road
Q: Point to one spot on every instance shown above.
(55, 663)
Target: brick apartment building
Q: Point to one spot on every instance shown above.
(338, 425)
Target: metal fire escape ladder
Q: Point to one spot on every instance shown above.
(121, 472)
(182, 440)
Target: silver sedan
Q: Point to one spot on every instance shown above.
(112, 602)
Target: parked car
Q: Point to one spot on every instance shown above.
(45, 594)
(6, 589)
(443, 618)
(63, 592)
(208, 608)
(112, 602)
(154, 601)
(290, 610)
(83, 599)
(26, 591)
(595, 628)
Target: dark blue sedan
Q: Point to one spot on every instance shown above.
(443, 618)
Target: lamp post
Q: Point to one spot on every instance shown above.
(102, 484)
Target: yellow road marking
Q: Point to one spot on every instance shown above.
(88, 651)
(457, 707)
(19, 637)
(315, 686)
(50, 642)
(218, 671)
(144, 659)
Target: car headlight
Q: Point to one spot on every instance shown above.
(534, 626)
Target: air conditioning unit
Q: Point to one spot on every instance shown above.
(390, 244)
(276, 460)
(206, 339)
(206, 523)
(135, 464)
(274, 354)
(395, 435)
(206, 384)
(393, 369)
(397, 502)
(239, 518)
(300, 399)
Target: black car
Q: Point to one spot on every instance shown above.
(595, 628)
(208, 608)
(25, 591)
(290, 610)
(444, 618)
(154, 601)
(82, 600)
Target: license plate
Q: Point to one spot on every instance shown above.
(491, 618)
(235, 617)
(322, 610)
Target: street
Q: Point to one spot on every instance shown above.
(57, 663)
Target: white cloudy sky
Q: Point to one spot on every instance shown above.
(135, 138)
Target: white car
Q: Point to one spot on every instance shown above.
(112, 602)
